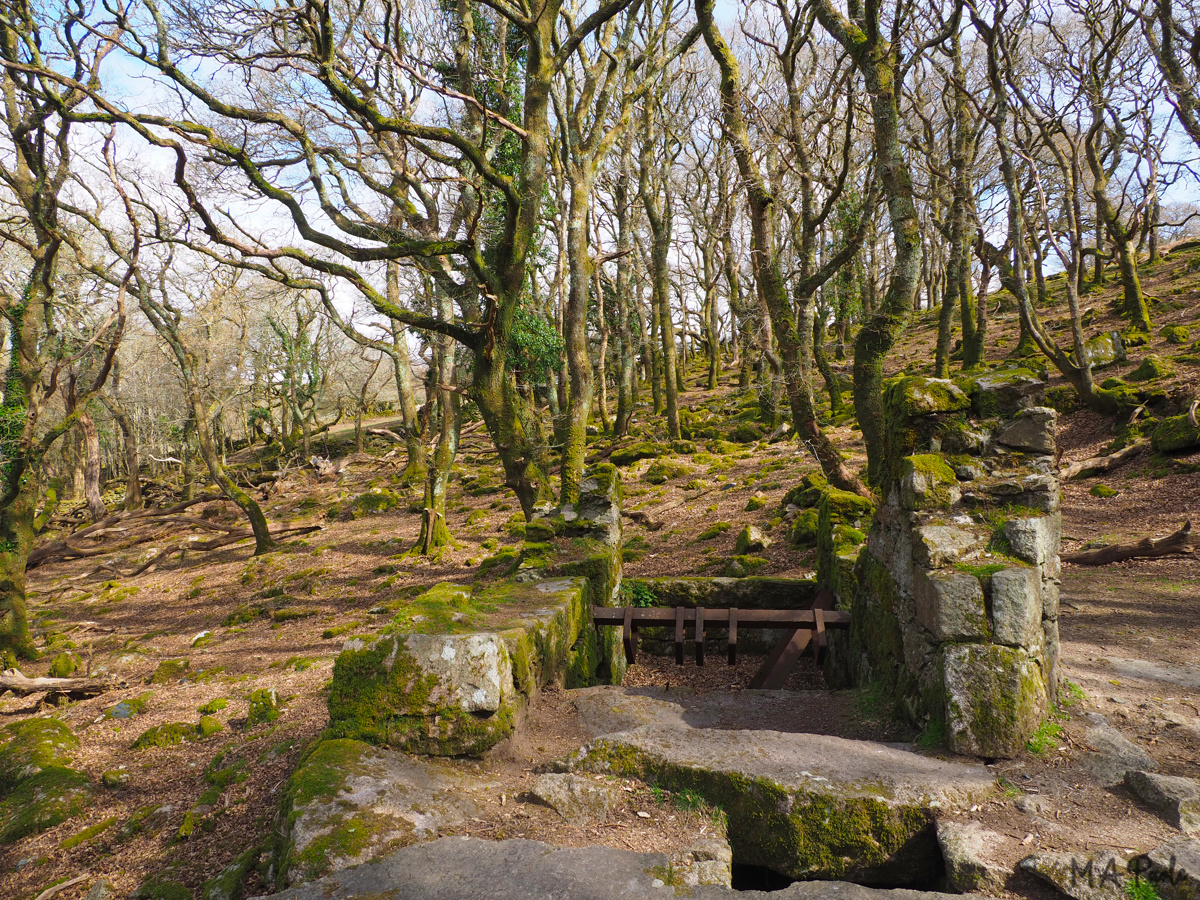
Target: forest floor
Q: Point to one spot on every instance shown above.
(242, 624)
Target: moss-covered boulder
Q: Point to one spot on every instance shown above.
(751, 540)
(38, 790)
(1005, 391)
(1152, 368)
(803, 530)
(1175, 434)
(995, 699)
(458, 694)
(348, 802)
(663, 470)
(808, 806)
(166, 735)
(744, 564)
(1175, 334)
(627, 456)
(1106, 349)
(747, 433)
(263, 707)
(372, 502)
(170, 671)
(807, 494)
(64, 665)
(842, 523)
(928, 482)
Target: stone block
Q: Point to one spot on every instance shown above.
(935, 546)
(928, 482)
(1033, 431)
(458, 694)
(577, 798)
(995, 699)
(1016, 607)
(1176, 800)
(1036, 540)
(1005, 391)
(950, 604)
(348, 802)
(817, 807)
(966, 848)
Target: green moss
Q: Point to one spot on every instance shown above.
(229, 883)
(242, 615)
(662, 470)
(755, 503)
(628, 455)
(28, 746)
(156, 888)
(714, 530)
(743, 565)
(1046, 739)
(747, 433)
(808, 493)
(1103, 491)
(264, 706)
(208, 726)
(1175, 434)
(1175, 334)
(88, 833)
(64, 665)
(165, 735)
(1151, 368)
(213, 706)
(803, 531)
(115, 779)
(41, 801)
(170, 670)
(374, 501)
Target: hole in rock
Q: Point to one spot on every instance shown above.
(758, 878)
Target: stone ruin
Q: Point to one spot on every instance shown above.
(954, 593)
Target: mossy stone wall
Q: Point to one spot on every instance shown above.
(954, 600)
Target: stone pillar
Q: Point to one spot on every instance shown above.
(956, 593)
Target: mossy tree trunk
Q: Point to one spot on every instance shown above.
(794, 331)
(91, 469)
(959, 283)
(129, 438)
(654, 188)
(435, 533)
(579, 365)
(878, 61)
(1014, 269)
(626, 376)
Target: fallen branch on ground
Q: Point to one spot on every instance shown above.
(120, 522)
(20, 684)
(1097, 464)
(642, 519)
(1180, 543)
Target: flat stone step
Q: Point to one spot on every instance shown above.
(608, 709)
(464, 868)
(806, 805)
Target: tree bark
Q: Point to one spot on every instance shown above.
(91, 470)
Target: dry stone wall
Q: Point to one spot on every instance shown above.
(954, 594)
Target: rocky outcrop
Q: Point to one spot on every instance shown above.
(1175, 799)
(805, 805)
(348, 802)
(462, 868)
(954, 599)
(966, 849)
(38, 789)
(458, 694)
